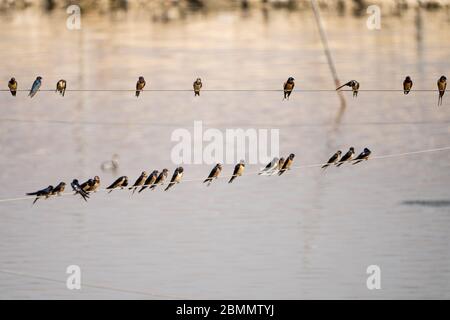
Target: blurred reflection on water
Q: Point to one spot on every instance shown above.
(307, 234)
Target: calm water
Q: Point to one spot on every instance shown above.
(307, 234)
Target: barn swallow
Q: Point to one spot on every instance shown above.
(139, 182)
(346, 157)
(238, 171)
(94, 184)
(334, 158)
(214, 174)
(364, 155)
(287, 164)
(442, 84)
(278, 167)
(288, 86)
(12, 85)
(61, 87)
(197, 86)
(86, 185)
(140, 84)
(119, 183)
(407, 85)
(47, 192)
(355, 87)
(150, 180)
(59, 189)
(35, 87)
(91, 185)
(77, 188)
(176, 177)
(269, 167)
(160, 180)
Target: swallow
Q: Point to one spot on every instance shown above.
(269, 167)
(139, 182)
(160, 179)
(61, 87)
(214, 174)
(94, 184)
(407, 85)
(77, 188)
(364, 155)
(238, 171)
(91, 185)
(85, 185)
(119, 183)
(442, 84)
(287, 164)
(334, 158)
(197, 86)
(288, 86)
(35, 87)
(140, 84)
(47, 192)
(150, 180)
(12, 85)
(278, 167)
(176, 177)
(346, 157)
(59, 189)
(355, 87)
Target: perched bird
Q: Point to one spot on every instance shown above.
(47, 192)
(77, 188)
(140, 84)
(407, 85)
(139, 182)
(91, 185)
(355, 87)
(86, 185)
(119, 183)
(160, 179)
(364, 155)
(61, 87)
(197, 86)
(334, 158)
(287, 164)
(214, 174)
(59, 189)
(12, 85)
(288, 86)
(442, 84)
(238, 171)
(176, 177)
(346, 157)
(35, 87)
(269, 167)
(150, 180)
(278, 167)
(94, 184)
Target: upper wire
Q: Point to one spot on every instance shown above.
(224, 90)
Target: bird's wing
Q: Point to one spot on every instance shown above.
(345, 84)
(212, 173)
(115, 183)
